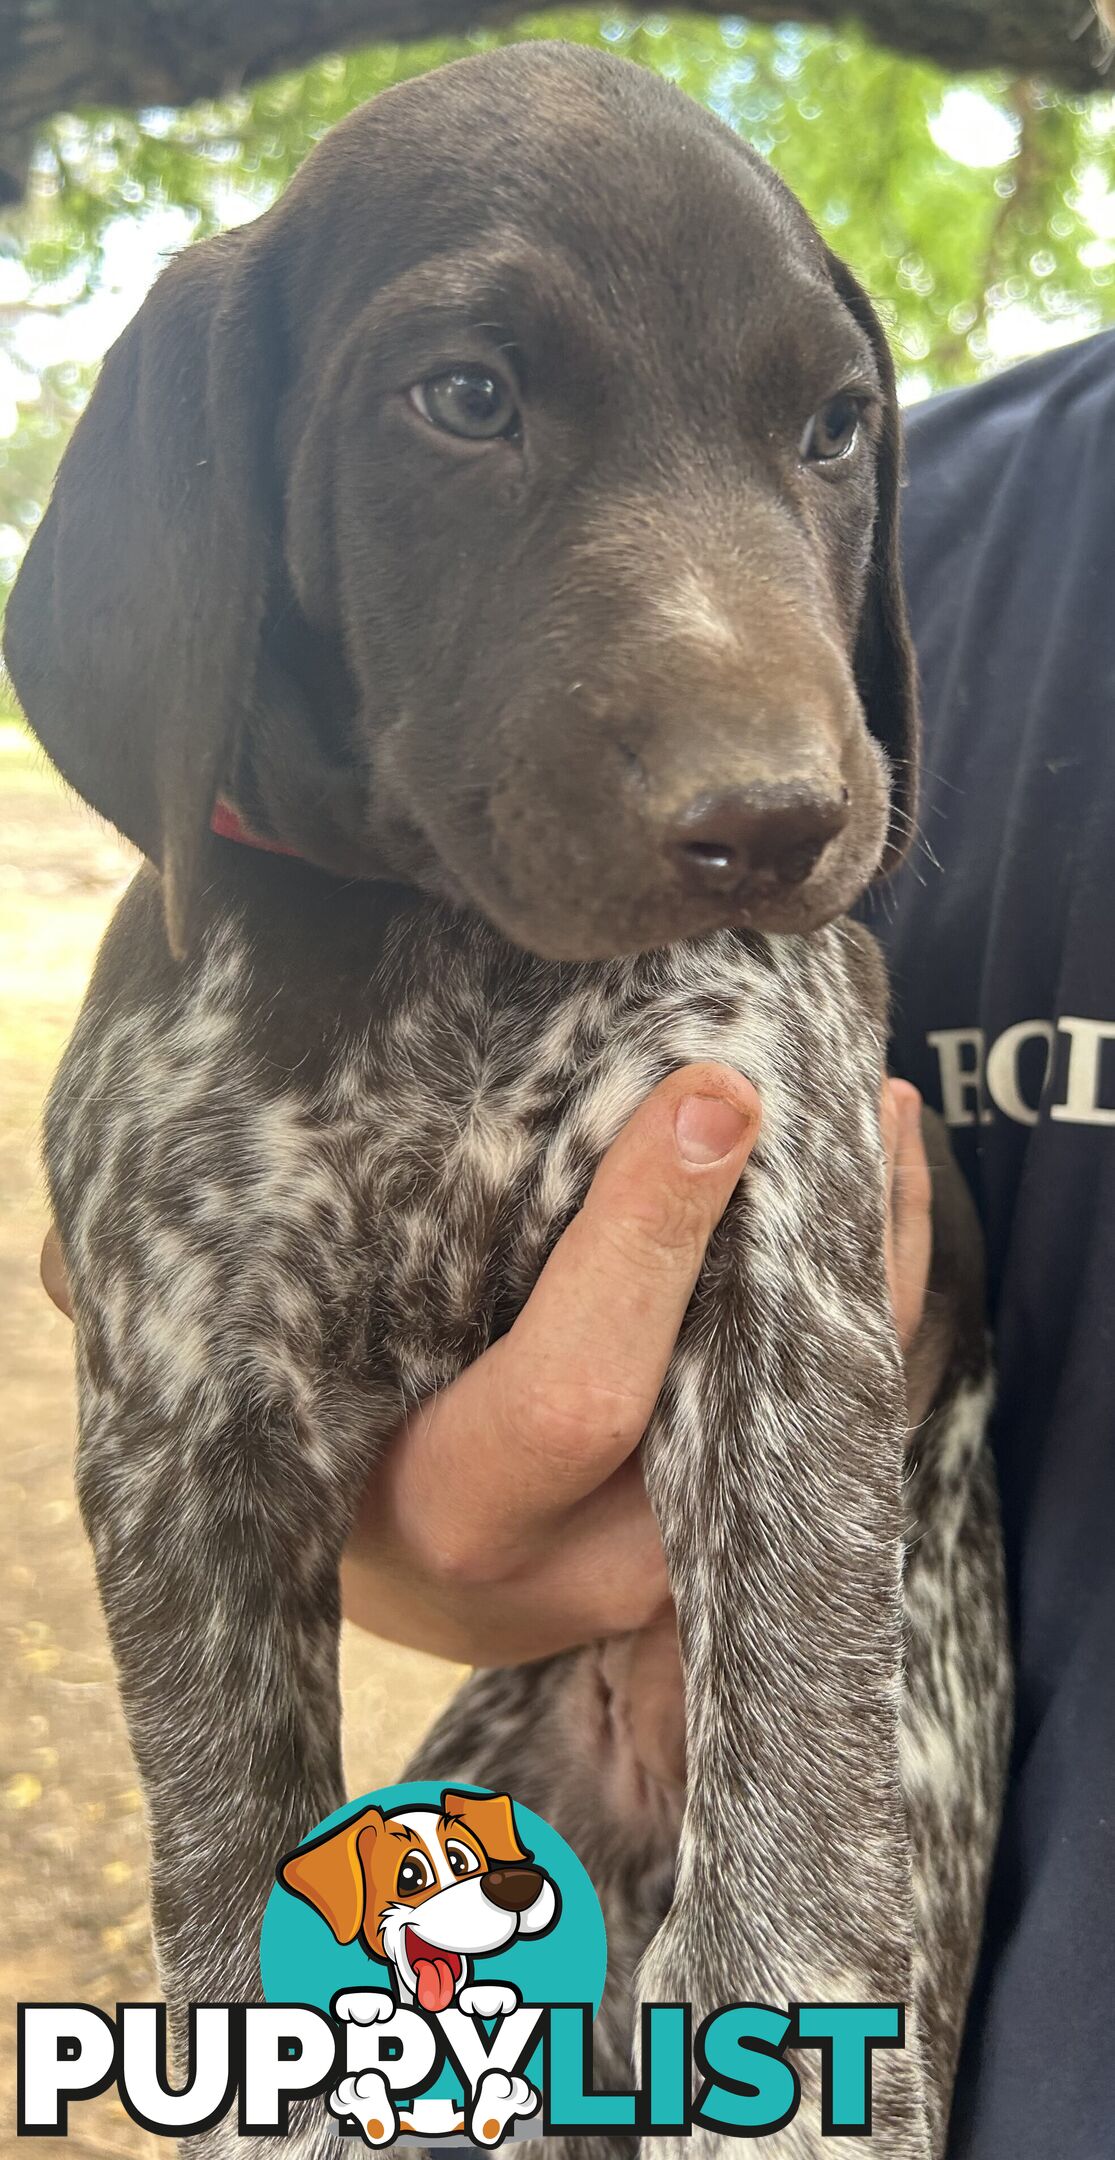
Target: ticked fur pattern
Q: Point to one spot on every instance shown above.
(271, 1265)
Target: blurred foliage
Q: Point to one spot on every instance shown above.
(968, 209)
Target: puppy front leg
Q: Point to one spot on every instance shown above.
(216, 1538)
(775, 1467)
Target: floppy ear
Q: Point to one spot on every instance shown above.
(329, 1874)
(886, 668)
(491, 1820)
(133, 633)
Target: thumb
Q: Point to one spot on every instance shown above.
(555, 1406)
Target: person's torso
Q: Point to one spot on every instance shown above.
(1000, 933)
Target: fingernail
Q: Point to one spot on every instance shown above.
(708, 1127)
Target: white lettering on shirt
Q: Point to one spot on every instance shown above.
(978, 1078)
(1080, 1104)
(962, 1059)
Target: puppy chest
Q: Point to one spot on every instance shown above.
(383, 1218)
(483, 1122)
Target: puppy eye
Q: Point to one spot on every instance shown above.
(468, 401)
(832, 432)
(414, 1874)
(461, 1859)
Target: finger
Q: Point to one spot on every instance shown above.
(888, 1120)
(603, 1572)
(551, 1410)
(52, 1269)
(888, 1126)
(602, 1569)
(911, 1214)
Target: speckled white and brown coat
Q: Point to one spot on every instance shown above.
(263, 1289)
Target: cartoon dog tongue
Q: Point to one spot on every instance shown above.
(435, 1972)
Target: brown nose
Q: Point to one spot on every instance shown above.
(512, 1888)
(778, 831)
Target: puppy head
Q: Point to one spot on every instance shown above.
(424, 1888)
(510, 510)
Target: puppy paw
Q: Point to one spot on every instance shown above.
(364, 2006)
(368, 2102)
(500, 2099)
(489, 1998)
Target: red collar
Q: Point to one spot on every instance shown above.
(228, 823)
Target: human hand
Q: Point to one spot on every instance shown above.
(52, 1268)
(909, 1232)
(508, 1519)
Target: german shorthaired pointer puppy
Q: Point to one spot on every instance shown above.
(501, 533)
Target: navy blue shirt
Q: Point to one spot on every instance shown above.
(1002, 952)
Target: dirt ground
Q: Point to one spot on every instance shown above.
(71, 1829)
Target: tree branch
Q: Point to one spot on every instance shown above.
(59, 55)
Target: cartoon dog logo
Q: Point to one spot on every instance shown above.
(429, 1891)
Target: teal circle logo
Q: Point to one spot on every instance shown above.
(349, 1880)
